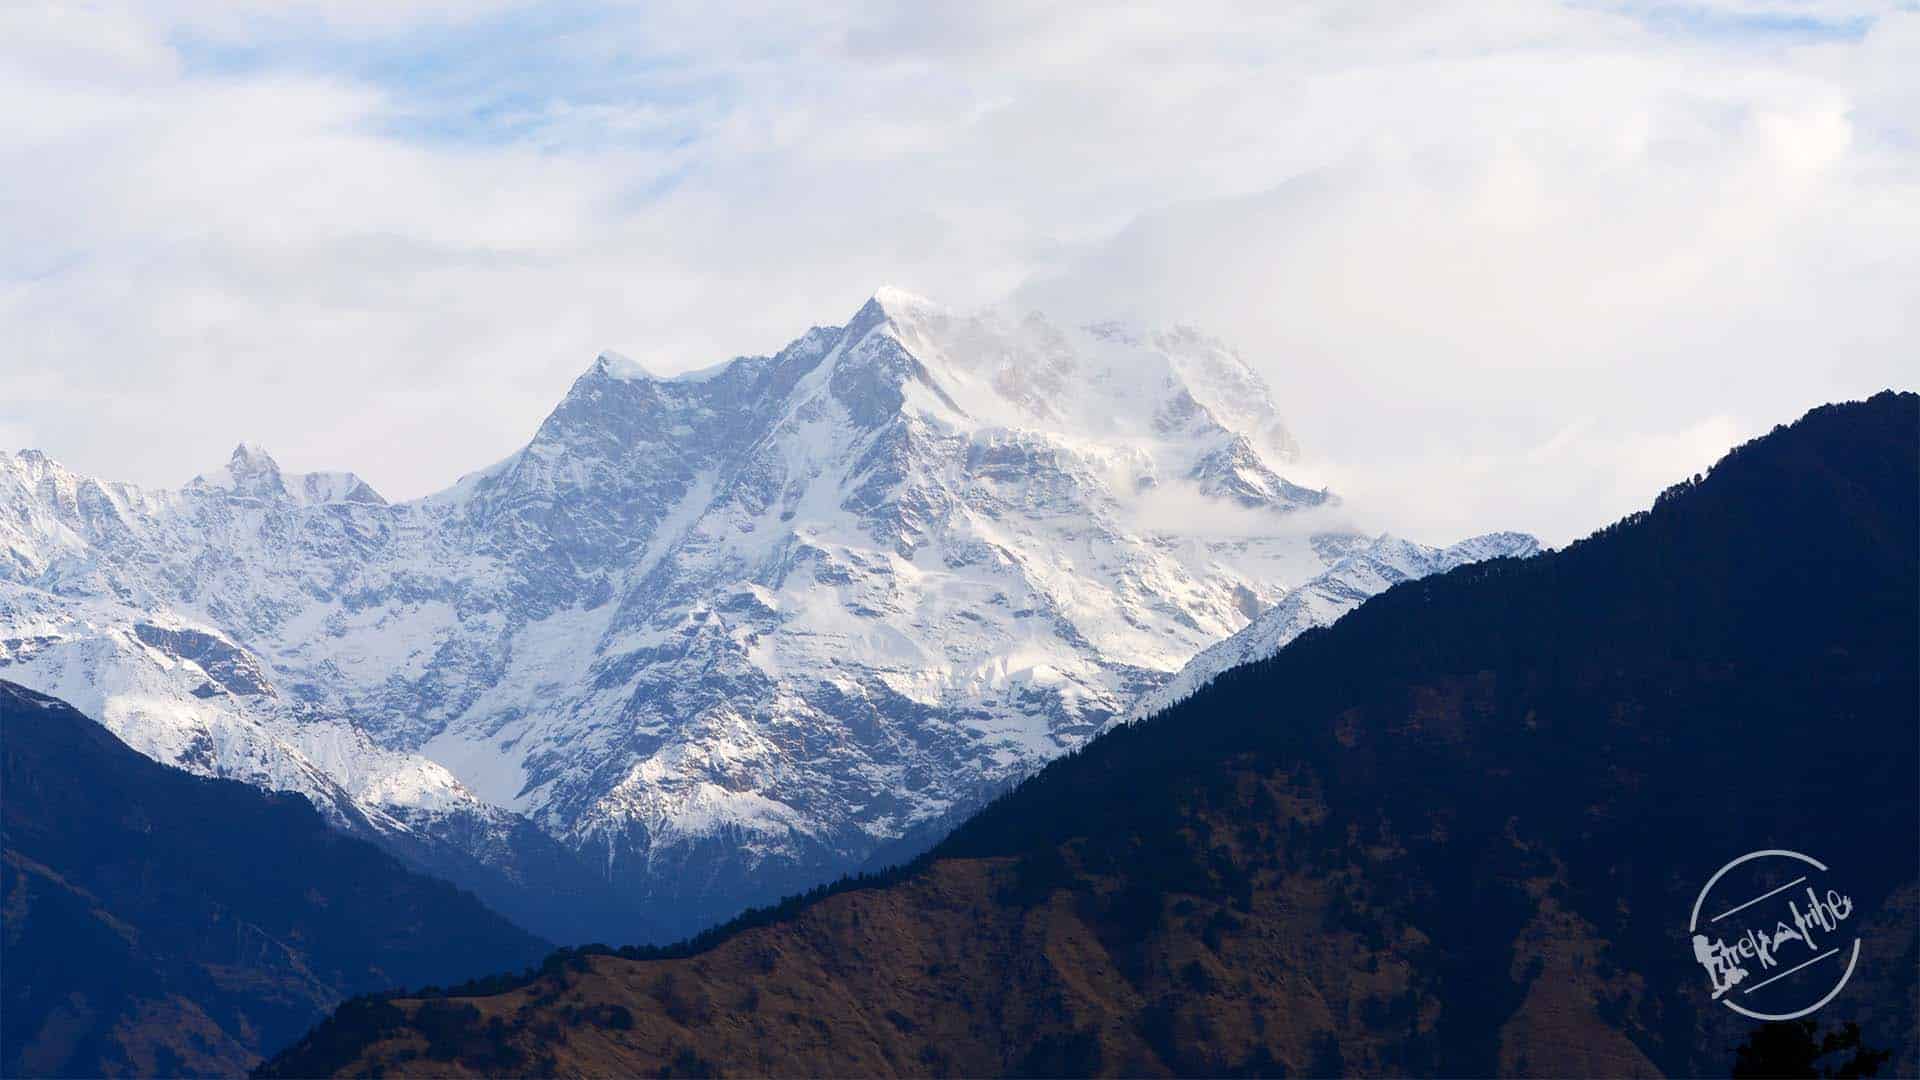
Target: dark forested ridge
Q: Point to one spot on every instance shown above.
(159, 923)
(1467, 844)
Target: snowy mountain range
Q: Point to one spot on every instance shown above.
(1368, 569)
(713, 637)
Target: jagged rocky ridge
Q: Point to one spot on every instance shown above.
(1368, 570)
(716, 636)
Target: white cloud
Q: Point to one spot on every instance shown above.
(385, 237)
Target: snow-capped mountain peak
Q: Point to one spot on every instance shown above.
(252, 473)
(899, 302)
(615, 365)
(723, 634)
(1360, 569)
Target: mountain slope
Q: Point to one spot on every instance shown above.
(1456, 833)
(721, 635)
(188, 696)
(160, 923)
(1367, 571)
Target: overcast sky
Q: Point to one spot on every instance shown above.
(1506, 265)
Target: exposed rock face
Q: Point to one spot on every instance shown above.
(229, 668)
(721, 635)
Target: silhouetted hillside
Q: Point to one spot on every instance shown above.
(1468, 845)
(159, 923)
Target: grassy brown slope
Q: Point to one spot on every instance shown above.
(969, 969)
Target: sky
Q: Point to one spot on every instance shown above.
(1505, 265)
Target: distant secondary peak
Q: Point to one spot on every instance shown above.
(613, 365)
(618, 366)
(252, 456)
(250, 470)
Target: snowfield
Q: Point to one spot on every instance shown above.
(719, 635)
